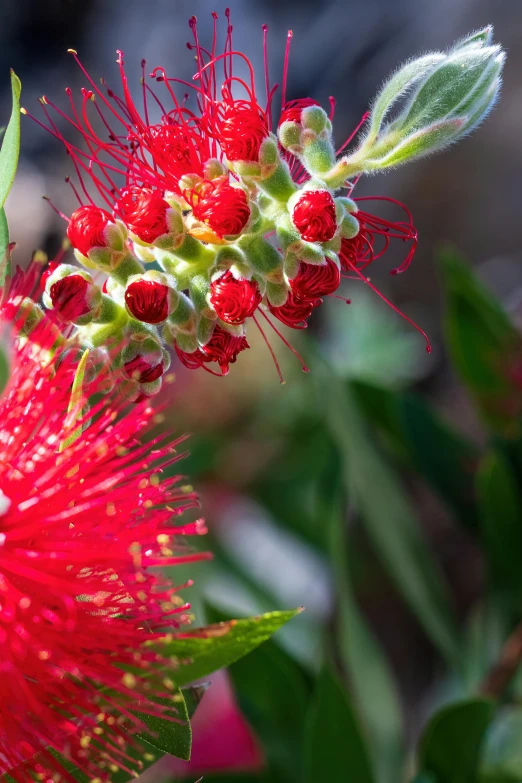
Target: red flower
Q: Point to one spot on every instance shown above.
(177, 148)
(221, 206)
(234, 300)
(46, 274)
(314, 216)
(295, 311)
(241, 129)
(148, 301)
(315, 280)
(80, 528)
(144, 212)
(292, 109)
(69, 297)
(86, 229)
(222, 348)
(141, 370)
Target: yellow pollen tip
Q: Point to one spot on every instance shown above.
(72, 51)
(129, 680)
(22, 110)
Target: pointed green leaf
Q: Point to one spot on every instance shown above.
(11, 143)
(221, 644)
(484, 345)
(168, 736)
(451, 743)
(5, 256)
(500, 506)
(334, 747)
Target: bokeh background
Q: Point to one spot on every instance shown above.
(270, 460)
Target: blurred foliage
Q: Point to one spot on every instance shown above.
(318, 491)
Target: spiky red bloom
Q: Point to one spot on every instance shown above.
(241, 129)
(234, 300)
(144, 212)
(314, 216)
(142, 370)
(292, 109)
(222, 348)
(148, 301)
(221, 206)
(80, 527)
(295, 311)
(86, 229)
(69, 297)
(315, 280)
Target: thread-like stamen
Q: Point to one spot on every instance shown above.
(281, 337)
(354, 133)
(272, 354)
(285, 68)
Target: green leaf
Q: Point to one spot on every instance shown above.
(500, 506)
(334, 748)
(501, 759)
(168, 736)
(11, 143)
(484, 345)
(221, 644)
(389, 520)
(375, 693)
(5, 255)
(451, 743)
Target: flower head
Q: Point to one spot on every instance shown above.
(148, 300)
(84, 515)
(224, 182)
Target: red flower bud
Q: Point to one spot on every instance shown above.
(148, 301)
(176, 150)
(314, 216)
(242, 129)
(144, 212)
(46, 274)
(70, 297)
(86, 228)
(222, 348)
(314, 280)
(295, 311)
(292, 109)
(142, 370)
(234, 300)
(222, 207)
(356, 250)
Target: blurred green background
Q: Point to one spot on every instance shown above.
(382, 490)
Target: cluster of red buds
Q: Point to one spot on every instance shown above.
(215, 213)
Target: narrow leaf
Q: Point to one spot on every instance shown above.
(334, 745)
(11, 143)
(221, 644)
(389, 520)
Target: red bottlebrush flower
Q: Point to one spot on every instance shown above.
(69, 297)
(292, 109)
(177, 149)
(295, 311)
(141, 370)
(222, 348)
(148, 301)
(79, 530)
(234, 300)
(316, 280)
(220, 205)
(241, 130)
(314, 216)
(144, 212)
(86, 229)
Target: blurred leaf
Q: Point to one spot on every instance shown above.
(11, 143)
(485, 347)
(501, 758)
(385, 511)
(416, 434)
(221, 645)
(371, 679)
(334, 748)
(451, 743)
(500, 506)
